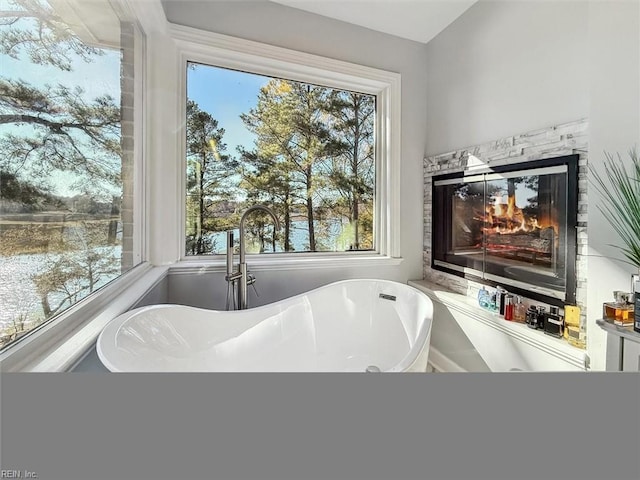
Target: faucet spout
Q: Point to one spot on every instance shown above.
(242, 267)
(244, 218)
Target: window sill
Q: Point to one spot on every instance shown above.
(277, 262)
(58, 344)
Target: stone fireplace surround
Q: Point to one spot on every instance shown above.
(558, 140)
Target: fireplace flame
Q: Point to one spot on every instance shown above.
(508, 218)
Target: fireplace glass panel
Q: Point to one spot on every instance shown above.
(509, 228)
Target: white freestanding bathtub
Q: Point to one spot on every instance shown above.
(346, 326)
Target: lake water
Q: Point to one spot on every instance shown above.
(18, 293)
(336, 238)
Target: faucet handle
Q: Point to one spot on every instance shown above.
(251, 280)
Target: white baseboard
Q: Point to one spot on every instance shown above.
(441, 363)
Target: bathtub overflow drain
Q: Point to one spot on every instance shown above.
(373, 369)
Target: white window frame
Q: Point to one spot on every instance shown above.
(194, 45)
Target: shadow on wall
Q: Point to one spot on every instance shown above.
(451, 349)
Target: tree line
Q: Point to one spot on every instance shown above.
(312, 161)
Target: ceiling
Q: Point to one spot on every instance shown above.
(94, 21)
(418, 20)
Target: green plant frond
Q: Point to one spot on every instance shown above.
(620, 191)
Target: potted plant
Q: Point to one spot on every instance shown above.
(620, 190)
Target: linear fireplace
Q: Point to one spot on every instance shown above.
(512, 225)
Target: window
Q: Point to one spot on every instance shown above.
(314, 139)
(67, 161)
(305, 150)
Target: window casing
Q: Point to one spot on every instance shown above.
(195, 46)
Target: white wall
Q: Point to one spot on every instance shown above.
(282, 26)
(505, 68)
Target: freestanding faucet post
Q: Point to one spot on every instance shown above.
(242, 274)
(231, 277)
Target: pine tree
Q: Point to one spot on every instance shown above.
(289, 123)
(54, 127)
(265, 182)
(208, 171)
(352, 170)
(65, 133)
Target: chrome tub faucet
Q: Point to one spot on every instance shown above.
(242, 275)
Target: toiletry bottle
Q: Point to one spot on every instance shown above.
(576, 337)
(572, 331)
(501, 295)
(508, 307)
(494, 303)
(541, 313)
(553, 324)
(519, 311)
(532, 317)
(620, 311)
(483, 297)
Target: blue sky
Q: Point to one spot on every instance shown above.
(226, 94)
(100, 77)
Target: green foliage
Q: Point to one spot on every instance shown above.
(21, 196)
(208, 179)
(314, 154)
(292, 142)
(66, 133)
(620, 191)
(352, 158)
